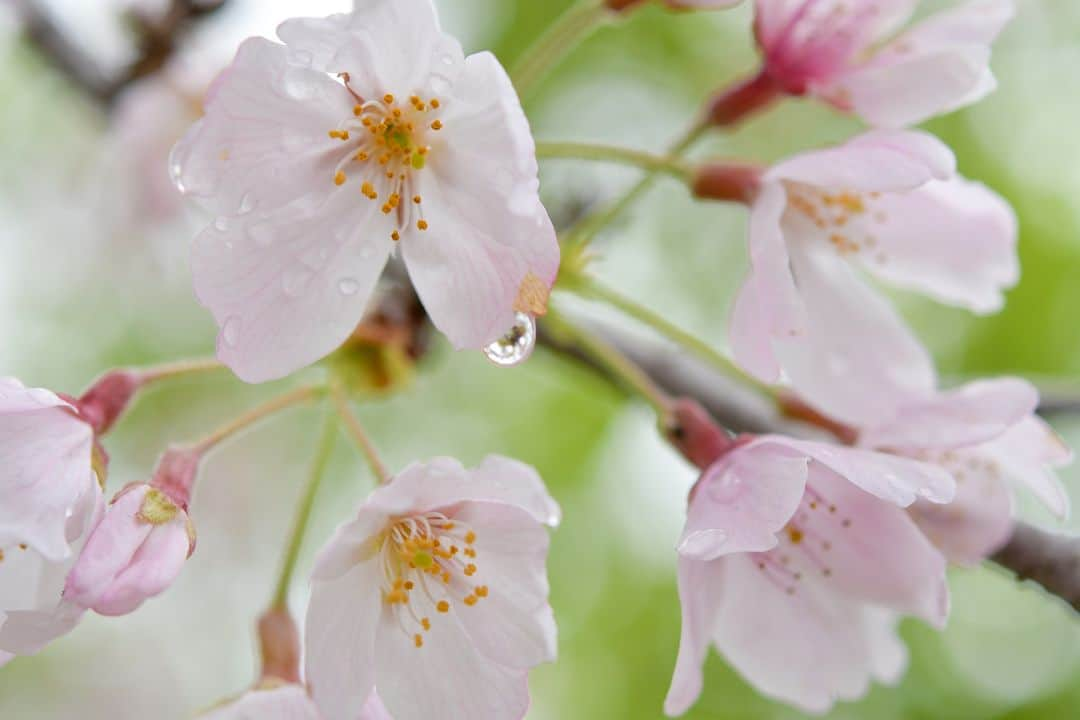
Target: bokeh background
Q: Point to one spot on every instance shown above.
(93, 273)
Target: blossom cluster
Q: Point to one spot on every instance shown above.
(366, 136)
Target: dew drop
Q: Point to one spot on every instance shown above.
(440, 85)
(230, 331)
(221, 223)
(247, 204)
(176, 173)
(295, 282)
(348, 286)
(296, 83)
(516, 345)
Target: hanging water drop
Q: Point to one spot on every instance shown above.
(221, 223)
(348, 286)
(230, 331)
(516, 345)
(247, 204)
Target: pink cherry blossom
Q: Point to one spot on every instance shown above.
(435, 595)
(796, 563)
(888, 203)
(362, 135)
(285, 702)
(852, 54)
(135, 552)
(986, 434)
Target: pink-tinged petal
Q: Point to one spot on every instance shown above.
(151, 571)
(701, 4)
(857, 361)
(289, 288)
(940, 65)
(971, 414)
(351, 543)
(488, 231)
(288, 702)
(447, 675)
(384, 46)
(975, 524)
(894, 479)
(699, 596)
(876, 161)
(769, 304)
(374, 709)
(954, 241)
(1025, 456)
(512, 624)
(444, 481)
(871, 549)
(743, 500)
(263, 142)
(809, 648)
(46, 471)
(339, 639)
(26, 632)
(109, 549)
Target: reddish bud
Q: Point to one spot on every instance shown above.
(279, 646)
(730, 107)
(736, 182)
(696, 435)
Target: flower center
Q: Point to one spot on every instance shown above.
(387, 143)
(842, 217)
(431, 559)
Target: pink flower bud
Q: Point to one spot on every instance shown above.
(135, 552)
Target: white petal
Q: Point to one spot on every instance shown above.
(699, 597)
(288, 702)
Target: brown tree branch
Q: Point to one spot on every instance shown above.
(1048, 559)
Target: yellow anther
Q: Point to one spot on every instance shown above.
(417, 199)
(395, 236)
(795, 535)
(418, 640)
(415, 99)
(409, 585)
(397, 112)
(388, 98)
(481, 591)
(339, 178)
(422, 224)
(369, 190)
(446, 578)
(435, 103)
(448, 526)
(358, 110)
(390, 174)
(470, 569)
(470, 537)
(387, 209)
(469, 552)
(437, 125)
(453, 549)
(361, 156)
(443, 606)
(426, 623)
(470, 600)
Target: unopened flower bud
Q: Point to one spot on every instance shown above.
(696, 435)
(135, 553)
(734, 182)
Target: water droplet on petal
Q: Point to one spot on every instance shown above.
(221, 224)
(230, 331)
(447, 60)
(176, 173)
(295, 282)
(348, 286)
(440, 85)
(297, 83)
(247, 204)
(516, 345)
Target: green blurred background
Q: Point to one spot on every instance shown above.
(92, 274)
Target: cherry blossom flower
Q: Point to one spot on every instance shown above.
(435, 595)
(889, 203)
(797, 561)
(134, 553)
(851, 54)
(362, 135)
(986, 434)
(285, 702)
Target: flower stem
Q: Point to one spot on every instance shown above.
(556, 42)
(359, 436)
(620, 366)
(298, 396)
(625, 156)
(582, 232)
(588, 287)
(303, 511)
(180, 368)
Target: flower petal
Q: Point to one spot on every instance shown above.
(289, 288)
(975, 524)
(895, 479)
(288, 702)
(971, 414)
(488, 230)
(339, 639)
(263, 142)
(1024, 456)
(857, 361)
(444, 481)
(699, 596)
(46, 469)
(151, 571)
(871, 549)
(954, 241)
(810, 648)
(876, 161)
(743, 500)
(513, 624)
